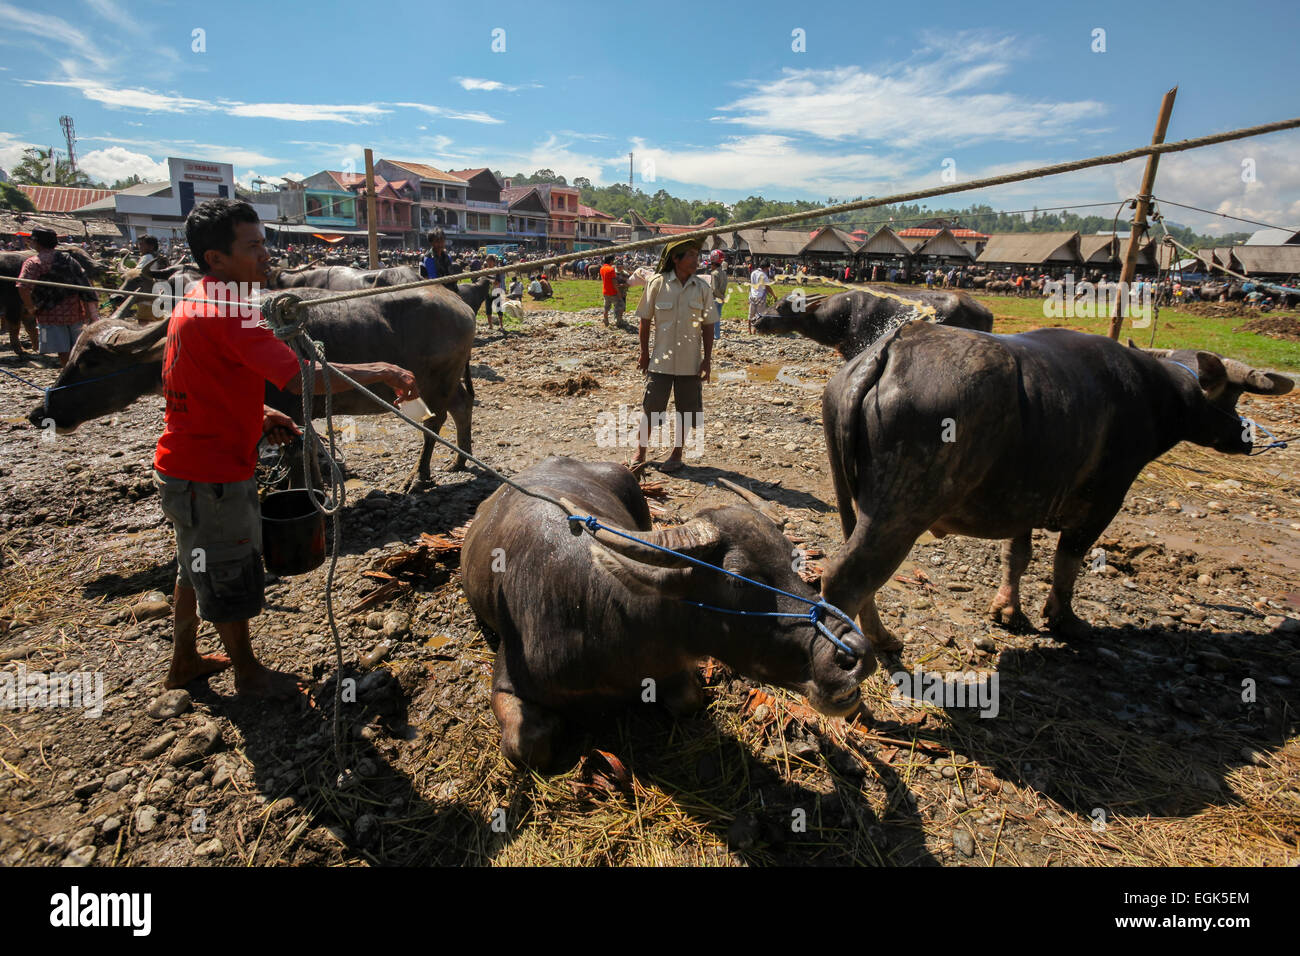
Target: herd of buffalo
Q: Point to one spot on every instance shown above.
(933, 423)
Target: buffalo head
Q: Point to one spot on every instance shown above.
(112, 364)
(786, 651)
(789, 313)
(1221, 382)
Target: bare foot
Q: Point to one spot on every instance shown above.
(266, 683)
(636, 466)
(200, 665)
(672, 464)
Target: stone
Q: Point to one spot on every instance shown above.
(282, 806)
(986, 643)
(198, 743)
(1204, 580)
(173, 703)
(110, 826)
(211, 848)
(374, 620)
(146, 818)
(160, 743)
(1173, 504)
(396, 624)
(963, 843)
(116, 780)
(150, 610)
(89, 787)
(81, 856)
(1216, 506)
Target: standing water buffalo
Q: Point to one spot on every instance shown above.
(850, 321)
(993, 436)
(583, 623)
(429, 331)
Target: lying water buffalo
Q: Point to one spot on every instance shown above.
(583, 623)
(850, 321)
(428, 331)
(992, 436)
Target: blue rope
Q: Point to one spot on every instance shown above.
(814, 616)
(59, 388)
(1243, 422)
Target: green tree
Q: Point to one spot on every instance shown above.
(132, 180)
(14, 198)
(43, 167)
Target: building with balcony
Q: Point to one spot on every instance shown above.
(562, 210)
(527, 216)
(441, 199)
(485, 211)
(394, 204)
(596, 228)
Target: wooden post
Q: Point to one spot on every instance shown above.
(370, 210)
(1140, 216)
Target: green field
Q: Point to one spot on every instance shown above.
(1175, 329)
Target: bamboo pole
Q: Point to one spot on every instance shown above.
(371, 228)
(1140, 216)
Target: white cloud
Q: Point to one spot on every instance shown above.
(189, 149)
(45, 27)
(114, 163)
(307, 112)
(768, 161)
(469, 117)
(930, 99)
(131, 98)
(11, 150)
(470, 83)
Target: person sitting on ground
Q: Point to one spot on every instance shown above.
(539, 288)
(516, 289)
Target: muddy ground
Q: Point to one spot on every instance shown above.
(1168, 737)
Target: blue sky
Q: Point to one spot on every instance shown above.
(715, 104)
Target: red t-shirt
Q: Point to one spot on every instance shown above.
(214, 378)
(608, 281)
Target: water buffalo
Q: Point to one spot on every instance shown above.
(992, 436)
(584, 623)
(428, 331)
(850, 321)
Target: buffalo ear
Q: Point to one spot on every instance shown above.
(1209, 369)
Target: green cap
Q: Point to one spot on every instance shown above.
(666, 260)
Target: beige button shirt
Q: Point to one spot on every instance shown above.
(677, 311)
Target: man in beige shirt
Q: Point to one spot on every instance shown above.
(679, 306)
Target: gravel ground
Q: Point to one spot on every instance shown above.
(1167, 737)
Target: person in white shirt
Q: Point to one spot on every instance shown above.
(758, 289)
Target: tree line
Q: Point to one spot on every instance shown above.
(619, 199)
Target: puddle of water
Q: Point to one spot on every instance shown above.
(572, 362)
(785, 374)
(437, 641)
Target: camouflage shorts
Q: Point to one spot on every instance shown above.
(218, 544)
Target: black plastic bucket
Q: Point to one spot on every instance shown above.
(293, 532)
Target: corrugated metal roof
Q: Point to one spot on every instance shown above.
(428, 172)
(774, 242)
(1273, 237)
(62, 198)
(1032, 248)
(63, 225)
(915, 231)
(1097, 249)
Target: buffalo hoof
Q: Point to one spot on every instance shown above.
(1010, 617)
(414, 480)
(1066, 624)
(458, 465)
(884, 642)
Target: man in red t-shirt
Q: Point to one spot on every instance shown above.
(215, 370)
(613, 291)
